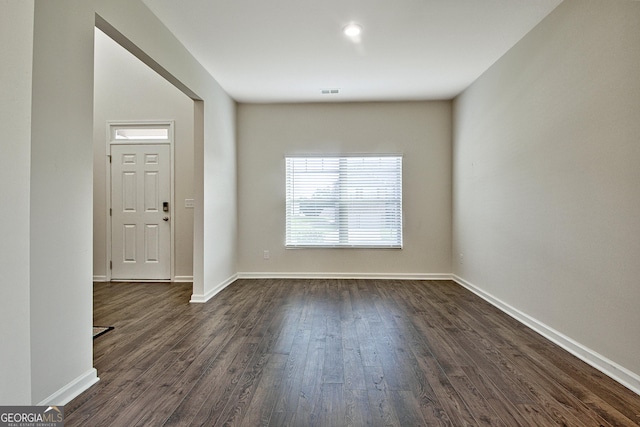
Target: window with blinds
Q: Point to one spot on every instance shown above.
(347, 201)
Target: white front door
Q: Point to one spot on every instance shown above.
(141, 215)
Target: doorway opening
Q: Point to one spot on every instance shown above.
(140, 176)
(141, 107)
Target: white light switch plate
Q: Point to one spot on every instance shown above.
(188, 203)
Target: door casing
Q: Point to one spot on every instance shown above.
(111, 128)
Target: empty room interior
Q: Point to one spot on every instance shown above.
(491, 279)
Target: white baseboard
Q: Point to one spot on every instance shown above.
(608, 367)
(207, 296)
(380, 276)
(180, 279)
(72, 390)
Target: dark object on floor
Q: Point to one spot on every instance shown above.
(101, 330)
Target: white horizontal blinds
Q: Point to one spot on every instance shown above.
(344, 201)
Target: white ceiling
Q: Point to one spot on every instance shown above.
(289, 50)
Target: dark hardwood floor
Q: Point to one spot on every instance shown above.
(332, 353)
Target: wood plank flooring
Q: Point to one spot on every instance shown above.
(332, 353)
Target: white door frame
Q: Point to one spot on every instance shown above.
(112, 126)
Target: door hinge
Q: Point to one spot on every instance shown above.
(109, 156)
(110, 265)
(110, 212)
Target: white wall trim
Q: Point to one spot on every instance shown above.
(177, 279)
(608, 367)
(67, 393)
(304, 275)
(110, 140)
(206, 297)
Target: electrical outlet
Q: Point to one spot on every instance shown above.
(266, 255)
(461, 258)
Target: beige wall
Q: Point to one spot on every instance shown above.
(61, 201)
(419, 130)
(546, 198)
(16, 42)
(128, 90)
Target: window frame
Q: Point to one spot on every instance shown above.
(397, 184)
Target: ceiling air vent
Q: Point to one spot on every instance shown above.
(330, 91)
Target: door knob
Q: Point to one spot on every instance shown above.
(166, 218)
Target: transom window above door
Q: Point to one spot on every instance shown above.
(123, 133)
